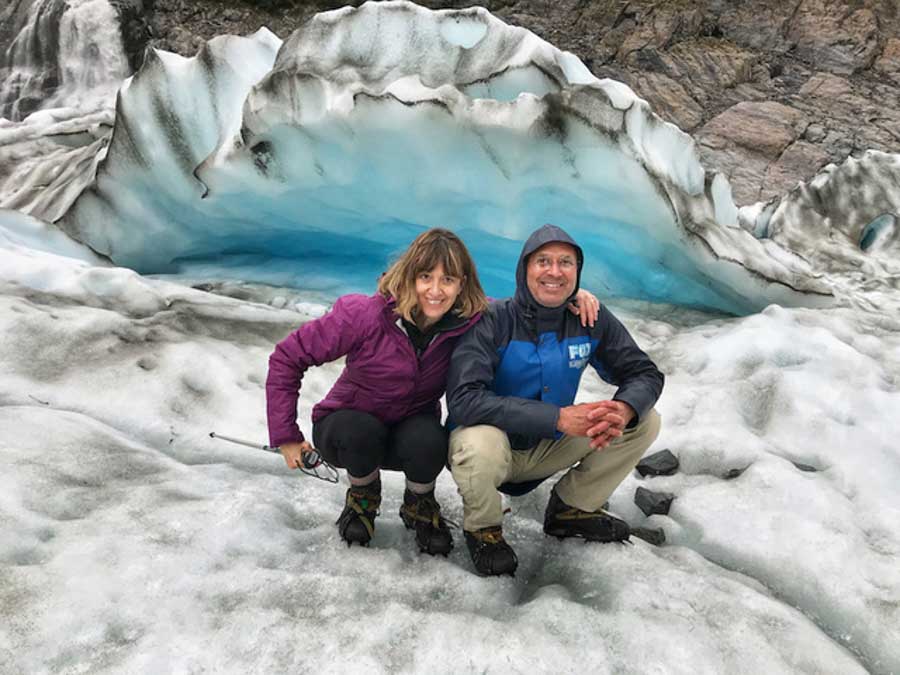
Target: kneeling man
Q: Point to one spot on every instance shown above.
(513, 378)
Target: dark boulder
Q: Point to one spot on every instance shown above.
(662, 463)
(653, 502)
(731, 474)
(652, 535)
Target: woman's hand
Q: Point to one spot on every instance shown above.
(586, 306)
(293, 453)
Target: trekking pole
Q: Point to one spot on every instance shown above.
(312, 460)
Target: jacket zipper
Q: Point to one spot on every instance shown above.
(409, 347)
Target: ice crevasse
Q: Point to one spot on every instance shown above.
(315, 160)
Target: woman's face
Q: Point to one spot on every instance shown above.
(436, 293)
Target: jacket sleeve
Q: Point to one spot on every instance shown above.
(314, 343)
(469, 396)
(619, 361)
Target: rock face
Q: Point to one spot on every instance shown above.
(750, 141)
(136, 32)
(772, 90)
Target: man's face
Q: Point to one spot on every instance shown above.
(551, 273)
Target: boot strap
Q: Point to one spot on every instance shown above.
(434, 520)
(364, 514)
(577, 514)
(414, 514)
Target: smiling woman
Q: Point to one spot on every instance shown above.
(384, 410)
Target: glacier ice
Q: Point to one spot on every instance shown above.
(184, 554)
(841, 205)
(375, 122)
(48, 159)
(843, 221)
(124, 376)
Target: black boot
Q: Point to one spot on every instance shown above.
(490, 552)
(422, 513)
(562, 520)
(356, 523)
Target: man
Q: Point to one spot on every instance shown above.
(512, 382)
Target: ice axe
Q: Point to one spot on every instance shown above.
(311, 460)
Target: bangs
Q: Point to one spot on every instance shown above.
(440, 252)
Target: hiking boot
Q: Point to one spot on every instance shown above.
(356, 523)
(422, 513)
(562, 520)
(490, 552)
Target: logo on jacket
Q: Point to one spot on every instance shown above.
(579, 354)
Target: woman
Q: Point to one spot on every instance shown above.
(384, 410)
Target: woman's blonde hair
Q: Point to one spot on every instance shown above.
(434, 246)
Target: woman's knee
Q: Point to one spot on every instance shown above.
(420, 432)
(352, 439)
(418, 445)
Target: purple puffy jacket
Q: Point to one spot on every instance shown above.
(382, 375)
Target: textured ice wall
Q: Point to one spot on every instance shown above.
(845, 222)
(377, 121)
(49, 158)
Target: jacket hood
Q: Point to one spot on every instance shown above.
(541, 236)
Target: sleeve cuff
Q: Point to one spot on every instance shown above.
(278, 441)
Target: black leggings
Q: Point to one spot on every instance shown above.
(361, 443)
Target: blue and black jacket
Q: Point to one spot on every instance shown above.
(522, 362)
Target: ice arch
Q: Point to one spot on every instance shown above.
(375, 122)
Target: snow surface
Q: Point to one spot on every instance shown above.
(130, 541)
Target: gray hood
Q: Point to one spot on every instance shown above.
(541, 236)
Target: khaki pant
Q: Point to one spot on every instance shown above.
(481, 460)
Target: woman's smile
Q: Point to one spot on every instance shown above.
(436, 293)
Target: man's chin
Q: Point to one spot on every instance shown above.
(551, 303)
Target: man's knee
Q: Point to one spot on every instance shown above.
(482, 450)
(649, 427)
(637, 440)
